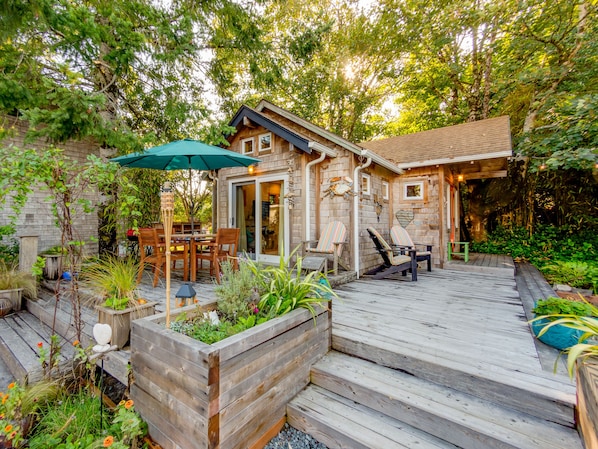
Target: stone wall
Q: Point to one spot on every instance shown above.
(36, 217)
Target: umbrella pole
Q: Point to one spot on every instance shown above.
(167, 207)
(191, 199)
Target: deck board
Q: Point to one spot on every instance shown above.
(469, 316)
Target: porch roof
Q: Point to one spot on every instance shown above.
(467, 142)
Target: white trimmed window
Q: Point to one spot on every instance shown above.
(265, 142)
(385, 190)
(366, 184)
(413, 191)
(247, 146)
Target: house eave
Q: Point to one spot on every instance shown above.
(298, 141)
(453, 160)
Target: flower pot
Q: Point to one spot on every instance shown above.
(53, 267)
(120, 320)
(558, 336)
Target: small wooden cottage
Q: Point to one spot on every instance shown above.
(309, 177)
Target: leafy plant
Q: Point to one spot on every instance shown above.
(560, 306)
(237, 292)
(287, 288)
(11, 277)
(115, 279)
(586, 324)
(574, 273)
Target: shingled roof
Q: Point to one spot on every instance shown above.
(484, 139)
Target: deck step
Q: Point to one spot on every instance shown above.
(338, 422)
(407, 401)
(547, 396)
(20, 334)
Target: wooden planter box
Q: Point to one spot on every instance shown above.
(587, 401)
(120, 320)
(15, 298)
(53, 267)
(231, 394)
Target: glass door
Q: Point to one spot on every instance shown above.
(258, 209)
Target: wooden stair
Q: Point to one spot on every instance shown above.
(357, 403)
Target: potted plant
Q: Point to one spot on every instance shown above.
(13, 285)
(581, 319)
(115, 279)
(547, 324)
(54, 261)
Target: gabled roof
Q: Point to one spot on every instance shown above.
(264, 104)
(483, 139)
(297, 140)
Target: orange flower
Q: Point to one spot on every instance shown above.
(108, 441)
(8, 428)
(13, 435)
(76, 343)
(40, 344)
(5, 398)
(129, 404)
(11, 385)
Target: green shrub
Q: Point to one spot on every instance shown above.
(237, 292)
(562, 306)
(546, 245)
(573, 273)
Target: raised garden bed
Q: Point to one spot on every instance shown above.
(587, 401)
(230, 394)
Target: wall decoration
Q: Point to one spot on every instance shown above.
(404, 217)
(340, 186)
(378, 207)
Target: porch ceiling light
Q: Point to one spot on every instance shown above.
(460, 178)
(251, 169)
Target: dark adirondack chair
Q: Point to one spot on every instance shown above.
(392, 263)
(401, 240)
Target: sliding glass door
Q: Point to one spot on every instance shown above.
(257, 207)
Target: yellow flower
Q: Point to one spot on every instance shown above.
(108, 441)
(121, 402)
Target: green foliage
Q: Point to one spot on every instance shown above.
(114, 278)
(547, 244)
(287, 288)
(574, 273)
(581, 320)
(9, 251)
(237, 292)
(562, 306)
(73, 421)
(11, 277)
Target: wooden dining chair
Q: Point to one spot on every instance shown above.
(152, 251)
(224, 247)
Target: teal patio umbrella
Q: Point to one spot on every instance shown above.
(187, 154)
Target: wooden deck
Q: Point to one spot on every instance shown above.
(483, 263)
(459, 335)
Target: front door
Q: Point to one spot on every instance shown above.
(257, 207)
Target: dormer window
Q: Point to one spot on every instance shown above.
(247, 146)
(265, 142)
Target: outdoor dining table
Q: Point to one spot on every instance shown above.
(193, 239)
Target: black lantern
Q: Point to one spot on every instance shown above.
(186, 294)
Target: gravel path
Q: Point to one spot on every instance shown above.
(291, 438)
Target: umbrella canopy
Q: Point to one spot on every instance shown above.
(185, 154)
